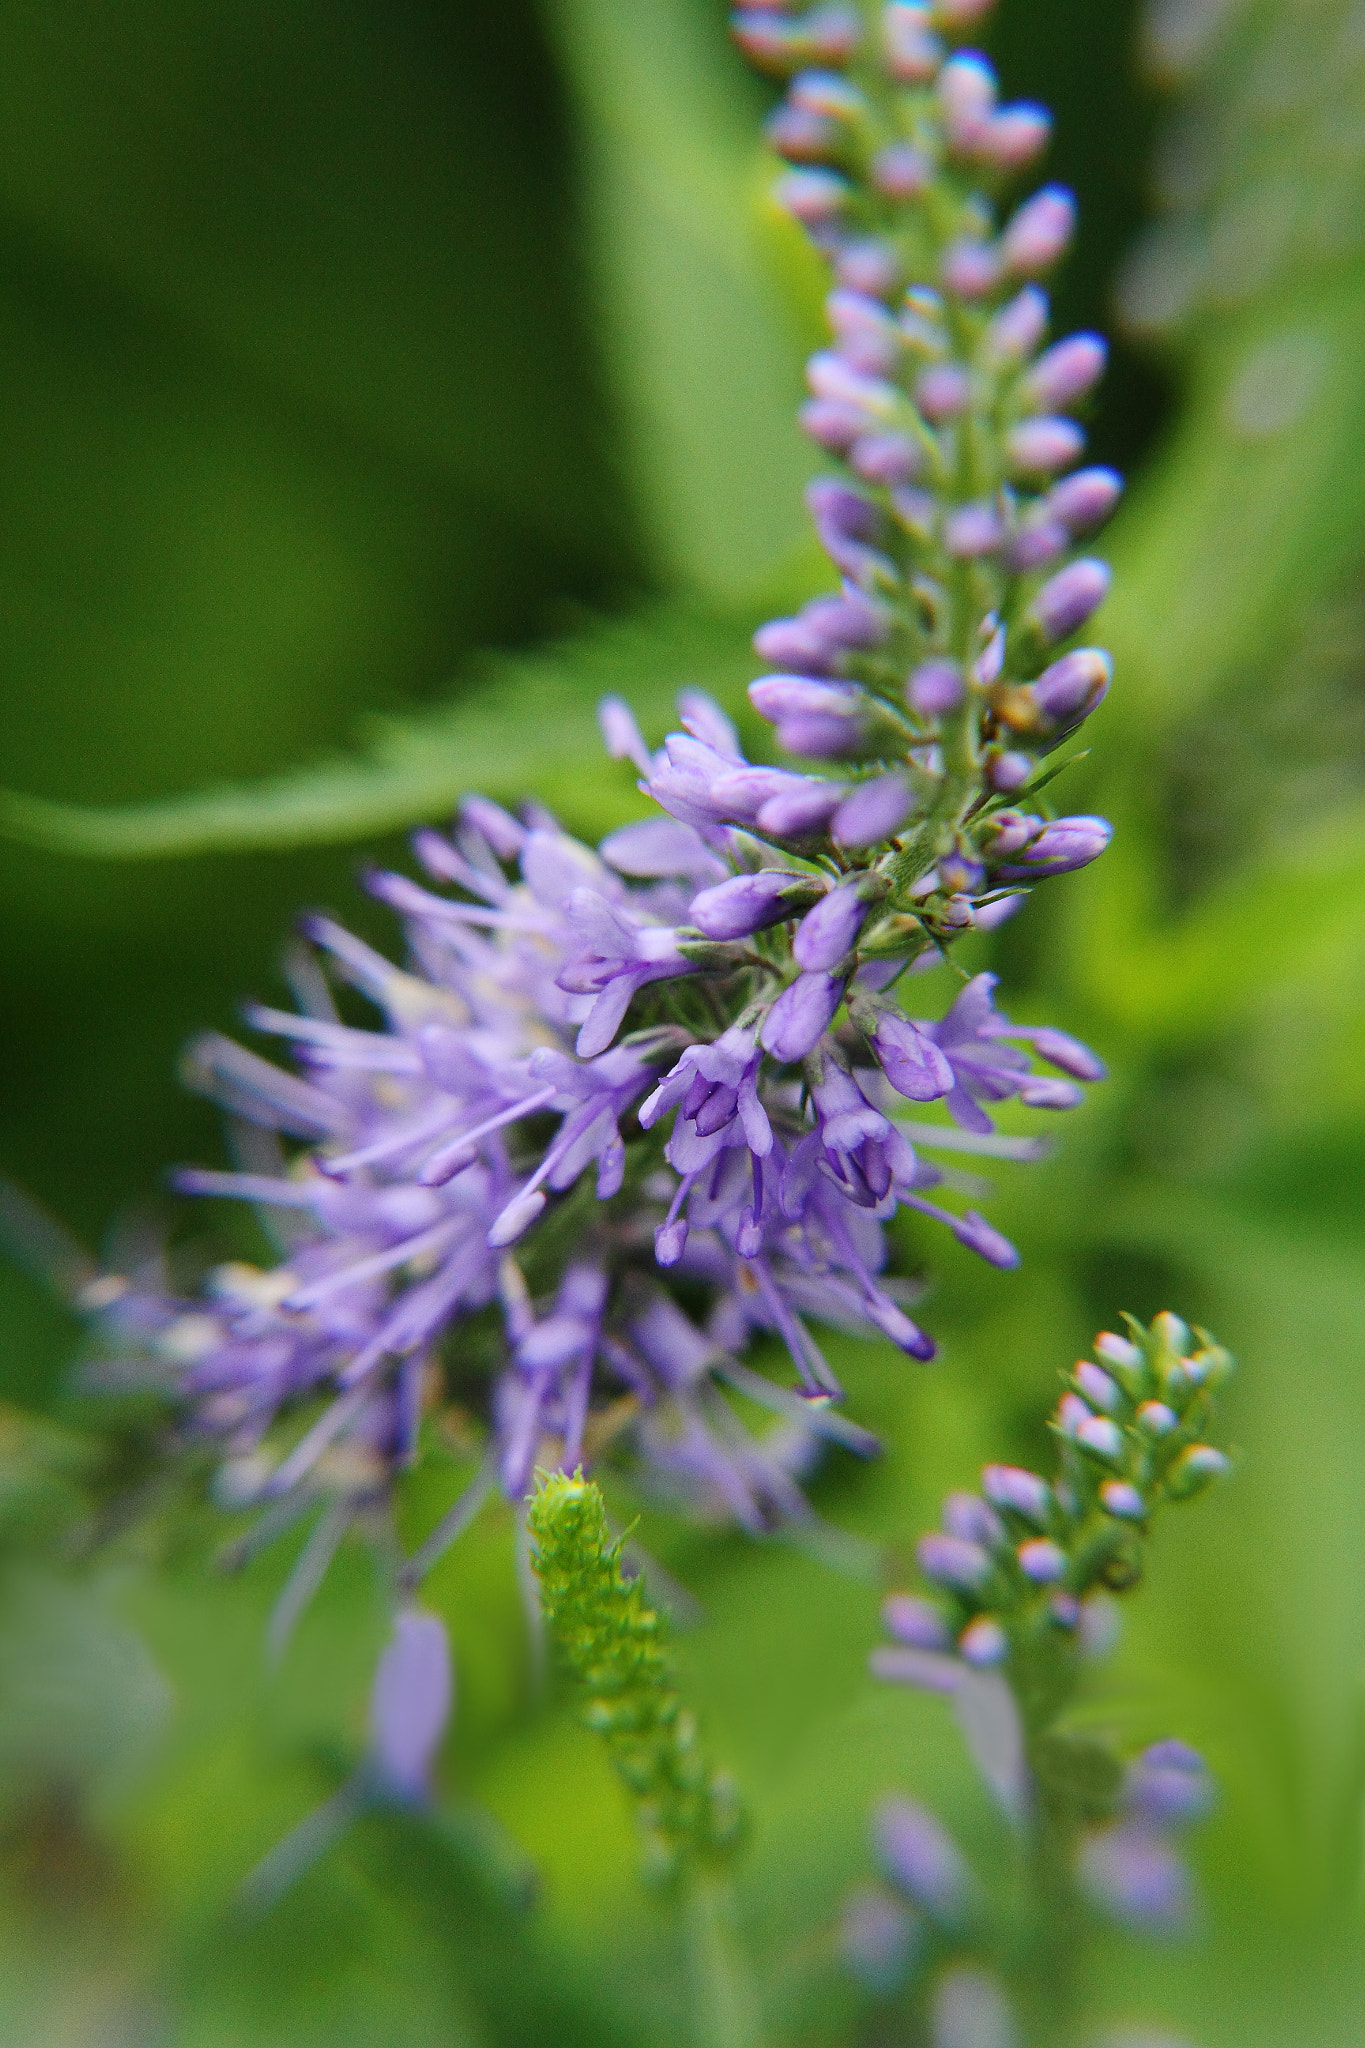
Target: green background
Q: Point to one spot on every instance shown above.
(341, 344)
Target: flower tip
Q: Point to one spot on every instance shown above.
(516, 1218)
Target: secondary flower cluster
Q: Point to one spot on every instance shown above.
(1022, 1576)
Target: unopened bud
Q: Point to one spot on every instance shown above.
(1156, 1418)
(1017, 1489)
(1085, 500)
(983, 1642)
(1197, 1466)
(1067, 599)
(1068, 690)
(1017, 328)
(913, 51)
(1040, 447)
(935, 687)
(1042, 1561)
(1101, 1439)
(967, 95)
(1039, 231)
(1120, 1499)
(1066, 371)
(1097, 1387)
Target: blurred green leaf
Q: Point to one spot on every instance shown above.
(527, 723)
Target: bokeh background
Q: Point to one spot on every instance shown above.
(379, 383)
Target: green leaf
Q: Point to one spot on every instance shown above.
(528, 723)
(704, 343)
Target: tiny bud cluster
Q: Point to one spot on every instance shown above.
(610, 1641)
(1022, 1577)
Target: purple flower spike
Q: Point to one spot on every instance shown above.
(1066, 371)
(973, 530)
(875, 811)
(925, 1862)
(1039, 232)
(410, 1706)
(1065, 844)
(826, 933)
(746, 903)
(814, 197)
(909, 1058)
(1067, 600)
(799, 1017)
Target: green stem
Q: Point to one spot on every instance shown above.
(724, 1996)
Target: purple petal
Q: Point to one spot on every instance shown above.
(800, 1015)
(410, 1703)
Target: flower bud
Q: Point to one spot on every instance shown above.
(915, 1621)
(1016, 135)
(1119, 1351)
(1042, 1561)
(1039, 231)
(1021, 1491)
(1101, 1439)
(873, 812)
(901, 172)
(827, 932)
(1156, 1419)
(800, 1015)
(953, 1562)
(1039, 447)
(746, 903)
(410, 1705)
(868, 265)
(878, 1940)
(1097, 1387)
(834, 425)
(868, 336)
(1136, 1876)
(973, 530)
(886, 458)
(1017, 328)
(966, 97)
(961, 870)
(802, 137)
(814, 197)
(909, 1058)
(1118, 1498)
(1085, 500)
(804, 807)
(935, 687)
(1065, 844)
(1197, 1466)
(970, 267)
(1009, 772)
(942, 391)
(1068, 598)
(913, 51)
(967, 1515)
(1068, 690)
(917, 1855)
(1066, 371)
(983, 1642)
(1168, 1785)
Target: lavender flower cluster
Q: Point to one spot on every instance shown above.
(1023, 1574)
(622, 1110)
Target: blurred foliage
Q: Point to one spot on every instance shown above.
(339, 344)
